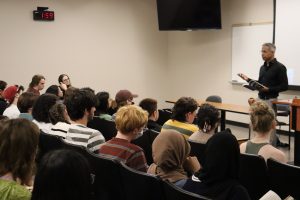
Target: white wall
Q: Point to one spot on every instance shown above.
(104, 44)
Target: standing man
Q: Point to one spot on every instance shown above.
(37, 84)
(273, 76)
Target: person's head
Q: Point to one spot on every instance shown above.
(3, 85)
(69, 91)
(103, 102)
(222, 156)
(131, 119)
(62, 174)
(150, 105)
(18, 145)
(40, 111)
(64, 78)
(184, 109)
(58, 113)
(38, 82)
(11, 92)
(54, 89)
(26, 102)
(268, 51)
(262, 117)
(170, 149)
(208, 117)
(81, 103)
(124, 97)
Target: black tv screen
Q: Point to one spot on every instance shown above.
(189, 14)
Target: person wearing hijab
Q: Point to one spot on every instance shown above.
(171, 158)
(218, 177)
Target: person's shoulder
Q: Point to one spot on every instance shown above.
(14, 190)
(243, 147)
(268, 151)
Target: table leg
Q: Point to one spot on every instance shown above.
(223, 117)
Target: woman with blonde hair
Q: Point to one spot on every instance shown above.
(18, 145)
(263, 123)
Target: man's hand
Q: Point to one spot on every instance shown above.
(243, 76)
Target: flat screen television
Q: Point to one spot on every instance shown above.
(189, 14)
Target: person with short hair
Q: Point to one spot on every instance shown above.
(62, 174)
(37, 84)
(18, 146)
(40, 111)
(130, 122)
(208, 118)
(150, 105)
(3, 103)
(263, 123)
(183, 116)
(25, 104)
(81, 105)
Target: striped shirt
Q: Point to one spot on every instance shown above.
(126, 152)
(60, 129)
(184, 128)
(81, 135)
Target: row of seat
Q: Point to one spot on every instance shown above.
(114, 180)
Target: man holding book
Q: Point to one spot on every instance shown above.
(273, 77)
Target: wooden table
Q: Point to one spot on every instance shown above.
(224, 107)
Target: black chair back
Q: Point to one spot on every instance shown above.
(139, 185)
(253, 175)
(164, 115)
(214, 98)
(106, 127)
(284, 179)
(172, 192)
(145, 142)
(48, 143)
(107, 178)
(198, 150)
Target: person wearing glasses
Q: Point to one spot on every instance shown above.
(64, 82)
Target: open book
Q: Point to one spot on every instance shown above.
(271, 195)
(253, 85)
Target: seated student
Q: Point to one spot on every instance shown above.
(171, 158)
(3, 102)
(150, 105)
(208, 118)
(183, 115)
(60, 119)
(54, 89)
(62, 174)
(18, 145)
(11, 94)
(130, 122)
(64, 82)
(263, 123)
(25, 104)
(123, 98)
(40, 111)
(218, 177)
(103, 106)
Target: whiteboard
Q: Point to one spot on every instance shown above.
(247, 41)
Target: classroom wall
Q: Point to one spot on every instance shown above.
(105, 44)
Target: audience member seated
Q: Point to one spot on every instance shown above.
(263, 123)
(3, 102)
(103, 106)
(81, 107)
(62, 174)
(171, 158)
(37, 84)
(18, 146)
(150, 105)
(130, 122)
(40, 111)
(218, 177)
(25, 104)
(54, 89)
(123, 98)
(60, 119)
(64, 82)
(208, 118)
(183, 115)
(11, 94)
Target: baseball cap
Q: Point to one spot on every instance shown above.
(10, 92)
(124, 95)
